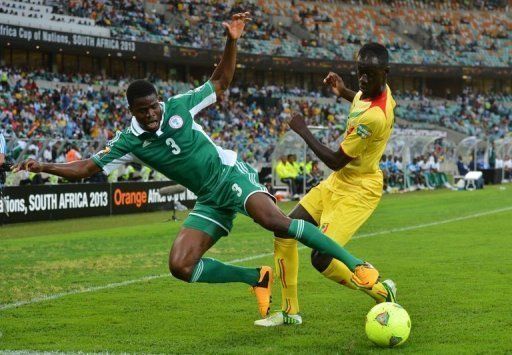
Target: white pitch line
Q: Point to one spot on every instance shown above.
(432, 224)
(42, 352)
(235, 261)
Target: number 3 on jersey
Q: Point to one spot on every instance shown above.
(236, 188)
(175, 149)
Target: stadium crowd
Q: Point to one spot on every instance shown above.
(332, 28)
(248, 119)
(470, 113)
(77, 109)
(422, 172)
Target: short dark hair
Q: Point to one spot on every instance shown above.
(139, 88)
(375, 50)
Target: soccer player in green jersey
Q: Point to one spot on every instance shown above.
(165, 137)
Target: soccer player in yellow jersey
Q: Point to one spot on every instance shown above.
(344, 201)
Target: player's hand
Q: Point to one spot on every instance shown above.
(29, 165)
(335, 82)
(297, 123)
(235, 28)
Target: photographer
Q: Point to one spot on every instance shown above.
(4, 166)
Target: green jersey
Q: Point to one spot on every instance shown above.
(180, 149)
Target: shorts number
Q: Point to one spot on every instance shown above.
(175, 149)
(237, 189)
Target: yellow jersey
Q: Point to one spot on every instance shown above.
(369, 126)
(286, 170)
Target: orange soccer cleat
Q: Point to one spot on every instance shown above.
(263, 290)
(365, 276)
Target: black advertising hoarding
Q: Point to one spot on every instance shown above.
(49, 202)
(35, 35)
(53, 40)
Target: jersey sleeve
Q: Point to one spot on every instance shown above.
(115, 154)
(197, 99)
(369, 125)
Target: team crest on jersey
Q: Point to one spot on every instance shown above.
(324, 227)
(111, 142)
(176, 122)
(363, 131)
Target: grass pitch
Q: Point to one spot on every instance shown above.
(101, 284)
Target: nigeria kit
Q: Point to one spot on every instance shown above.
(182, 151)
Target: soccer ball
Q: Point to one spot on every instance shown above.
(388, 324)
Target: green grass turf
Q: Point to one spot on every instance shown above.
(454, 279)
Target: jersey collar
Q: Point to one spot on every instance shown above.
(138, 130)
(381, 96)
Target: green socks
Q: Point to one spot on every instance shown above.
(213, 271)
(310, 236)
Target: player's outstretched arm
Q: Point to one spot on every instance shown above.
(338, 86)
(335, 160)
(72, 171)
(223, 74)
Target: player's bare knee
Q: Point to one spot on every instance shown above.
(180, 268)
(320, 261)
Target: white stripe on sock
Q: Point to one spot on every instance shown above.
(197, 271)
(300, 229)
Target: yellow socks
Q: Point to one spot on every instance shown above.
(340, 273)
(286, 258)
(378, 292)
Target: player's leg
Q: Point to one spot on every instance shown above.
(186, 261)
(338, 272)
(264, 212)
(286, 258)
(202, 228)
(242, 191)
(342, 217)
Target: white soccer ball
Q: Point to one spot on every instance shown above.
(388, 324)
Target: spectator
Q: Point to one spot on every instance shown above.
(315, 176)
(492, 156)
(286, 173)
(4, 79)
(507, 168)
(461, 167)
(472, 163)
(383, 165)
(298, 174)
(73, 154)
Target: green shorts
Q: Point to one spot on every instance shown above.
(215, 213)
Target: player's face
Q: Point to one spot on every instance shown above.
(371, 76)
(148, 112)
